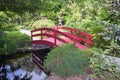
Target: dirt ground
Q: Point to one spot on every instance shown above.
(74, 77)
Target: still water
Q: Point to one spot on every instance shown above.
(22, 69)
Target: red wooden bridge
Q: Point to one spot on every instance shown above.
(58, 36)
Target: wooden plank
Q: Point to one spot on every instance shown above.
(80, 46)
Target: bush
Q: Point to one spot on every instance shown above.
(113, 49)
(104, 68)
(19, 38)
(42, 23)
(2, 34)
(14, 40)
(66, 61)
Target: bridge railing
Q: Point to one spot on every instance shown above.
(73, 31)
(40, 34)
(77, 37)
(82, 36)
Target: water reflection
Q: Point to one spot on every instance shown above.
(23, 69)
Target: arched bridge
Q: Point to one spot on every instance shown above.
(59, 35)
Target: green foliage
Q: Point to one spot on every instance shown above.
(20, 6)
(91, 26)
(12, 41)
(111, 33)
(2, 34)
(89, 9)
(87, 17)
(6, 23)
(97, 61)
(94, 28)
(66, 61)
(20, 39)
(113, 49)
(113, 7)
(102, 67)
(73, 16)
(42, 23)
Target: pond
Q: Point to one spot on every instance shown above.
(22, 69)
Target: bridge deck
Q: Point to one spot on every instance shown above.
(59, 43)
(40, 49)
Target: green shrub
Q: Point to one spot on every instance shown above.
(66, 61)
(113, 49)
(19, 38)
(97, 61)
(103, 68)
(14, 40)
(42, 23)
(2, 34)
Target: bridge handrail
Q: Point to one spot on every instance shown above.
(66, 28)
(73, 30)
(49, 35)
(53, 30)
(56, 32)
(82, 36)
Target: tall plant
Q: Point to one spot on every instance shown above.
(66, 61)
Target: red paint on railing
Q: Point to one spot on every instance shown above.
(58, 35)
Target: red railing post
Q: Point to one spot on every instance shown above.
(31, 36)
(55, 38)
(71, 32)
(41, 35)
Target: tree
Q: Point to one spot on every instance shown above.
(20, 6)
(6, 21)
(114, 11)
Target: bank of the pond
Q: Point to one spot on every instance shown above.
(9, 58)
(21, 68)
